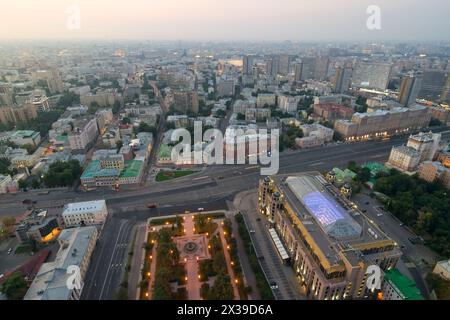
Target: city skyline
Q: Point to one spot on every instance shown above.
(203, 20)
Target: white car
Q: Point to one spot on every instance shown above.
(201, 209)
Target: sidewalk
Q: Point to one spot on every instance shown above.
(136, 262)
(228, 262)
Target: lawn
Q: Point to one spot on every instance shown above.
(169, 175)
(23, 249)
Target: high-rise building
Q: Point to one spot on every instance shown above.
(247, 64)
(342, 79)
(435, 86)
(51, 77)
(330, 247)
(16, 114)
(298, 71)
(321, 68)
(371, 75)
(308, 68)
(273, 66)
(6, 95)
(225, 88)
(409, 89)
(285, 64)
(185, 101)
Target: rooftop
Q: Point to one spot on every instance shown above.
(50, 282)
(332, 223)
(403, 285)
(83, 207)
(132, 169)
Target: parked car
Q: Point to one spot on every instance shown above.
(9, 251)
(273, 285)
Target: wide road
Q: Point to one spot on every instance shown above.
(213, 183)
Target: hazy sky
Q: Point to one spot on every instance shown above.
(225, 19)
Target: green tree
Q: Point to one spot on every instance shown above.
(29, 147)
(222, 289)
(15, 287)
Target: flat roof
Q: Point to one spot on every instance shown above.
(84, 207)
(333, 226)
(404, 286)
(132, 169)
(51, 281)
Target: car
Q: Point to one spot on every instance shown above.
(187, 211)
(367, 203)
(251, 231)
(220, 177)
(27, 201)
(379, 215)
(9, 251)
(364, 210)
(260, 257)
(401, 224)
(273, 285)
(151, 205)
(201, 209)
(258, 219)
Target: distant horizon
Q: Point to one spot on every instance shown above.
(224, 20)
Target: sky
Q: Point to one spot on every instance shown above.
(224, 20)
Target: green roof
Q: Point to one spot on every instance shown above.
(25, 134)
(94, 170)
(375, 167)
(405, 286)
(132, 169)
(343, 175)
(165, 151)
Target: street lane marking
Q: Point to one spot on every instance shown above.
(249, 168)
(200, 178)
(316, 164)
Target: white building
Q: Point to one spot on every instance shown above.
(5, 182)
(75, 250)
(314, 135)
(288, 103)
(404, 158)
(87, 213)
(442, 269)
(265, 99)
(84, 133)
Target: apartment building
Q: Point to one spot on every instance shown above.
(288, 103)
(16, 114)
(85, 131)
(383, 123)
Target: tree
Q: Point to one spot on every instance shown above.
(119, 145)
(29, 147)
(15, 287)
(240, 117)
(126, 120)
(61, 174)
(68, 99)
(116, 107)
(4, 166)
(222, 289)
(145, 127)
(23, 184)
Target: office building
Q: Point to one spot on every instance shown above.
(75, 249)
(330, 246)
(409, 89)
(85, 213)
(273, 66)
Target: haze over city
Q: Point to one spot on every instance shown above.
(224, 20)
